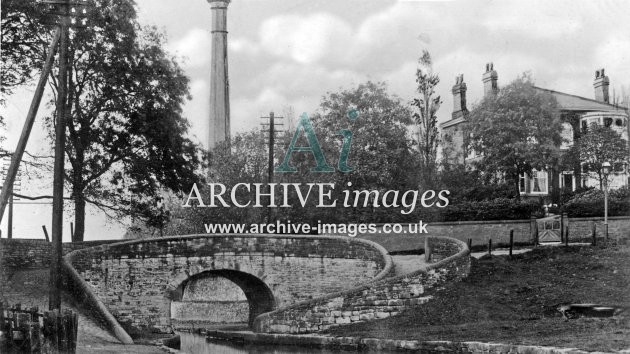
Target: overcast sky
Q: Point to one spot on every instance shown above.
(291, 52)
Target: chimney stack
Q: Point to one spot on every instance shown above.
(219, 84)
(601, 86)
(459, 97)
(489, 78)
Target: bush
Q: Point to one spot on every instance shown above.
(591, 203)
(495, 209)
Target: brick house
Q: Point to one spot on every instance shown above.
(577, 114)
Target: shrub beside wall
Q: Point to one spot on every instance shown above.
(495, 209)
(591, 203)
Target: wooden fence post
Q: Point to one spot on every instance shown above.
(45, 233)
(36, 344)
(490, 247)
(594, 233)
(564, 229)
(511, 241)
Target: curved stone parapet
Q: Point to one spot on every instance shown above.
(131, 284)
(375, 299)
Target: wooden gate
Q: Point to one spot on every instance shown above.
(31, 331)
(549, 229)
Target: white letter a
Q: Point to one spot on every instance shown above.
(197, 196)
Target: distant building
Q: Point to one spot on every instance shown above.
(577, 114)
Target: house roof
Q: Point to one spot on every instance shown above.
(569, 102)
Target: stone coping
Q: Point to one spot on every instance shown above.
(464, 252)
(93, 301)
(377, 345)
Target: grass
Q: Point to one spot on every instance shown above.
(514, 300)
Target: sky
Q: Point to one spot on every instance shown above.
(290, 53)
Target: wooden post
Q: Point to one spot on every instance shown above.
(54, 300)
(490, 247)
(10, 221)
(28, 124)
(72, 232)
(534, 229)
(594, 233)
(564, 229)
(270, 162)
(45, 233)
(74, 332)
(511, 241)
(23, 325)
(561, 226)
(36, 344)
(470, 244)
(427, 250)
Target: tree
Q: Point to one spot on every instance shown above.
(381, 155)
(241, 160)
(425, 119)
(516, 131)
(126, 133)
(598, 145)
(22, 36)
(381, 158)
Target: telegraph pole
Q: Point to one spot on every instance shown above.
(272, 141)
(60, 143)
(62, 8)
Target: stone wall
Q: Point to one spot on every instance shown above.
(210, 311)
(374, 300)
(581, 228)
(137, 280)
(498, 230)
(22, 253)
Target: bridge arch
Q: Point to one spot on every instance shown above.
(259, 296)
(132, 283)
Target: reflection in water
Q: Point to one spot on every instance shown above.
(197, 344)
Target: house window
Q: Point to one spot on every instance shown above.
(539, 182)
(566, 181)
(608, 122)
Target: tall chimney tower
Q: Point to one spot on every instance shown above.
(490, 78)
(219, 84)
(601, 84)
(459, 97)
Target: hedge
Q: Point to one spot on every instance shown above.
(495, 209)
(591, 203)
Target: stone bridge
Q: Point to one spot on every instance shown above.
(136, 282)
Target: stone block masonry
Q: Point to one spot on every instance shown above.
(499, 231)
(581, 228)
(137, 281)
(24, 254)
(376, 299)
(19, 253)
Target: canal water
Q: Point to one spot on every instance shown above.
(197, 344)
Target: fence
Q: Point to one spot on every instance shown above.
(30, 331)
